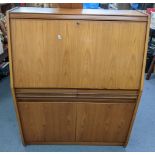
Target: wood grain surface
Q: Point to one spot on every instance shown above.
(88, 55)
(44, 122)
(11, 76)
(103, 122)
(76, 95)
(75, 122)
(81, 14)
(77, 17)
(60, 11)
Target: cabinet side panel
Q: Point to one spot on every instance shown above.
(11, 75)
(141, 81)
(145, 53)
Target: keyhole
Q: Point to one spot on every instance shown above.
(77, 23)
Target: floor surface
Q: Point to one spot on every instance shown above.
(142, 136)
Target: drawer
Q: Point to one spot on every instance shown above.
(76, 95)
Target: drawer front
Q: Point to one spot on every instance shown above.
(47, 121)
(76, 95)
(103, 122)
(77, 54)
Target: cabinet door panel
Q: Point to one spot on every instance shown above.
(77, 54)
(101, 122)
(47, 122)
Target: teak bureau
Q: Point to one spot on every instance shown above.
(76, 75)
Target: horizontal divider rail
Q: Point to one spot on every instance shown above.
(76, 95)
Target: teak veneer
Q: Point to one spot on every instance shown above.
(76, 75)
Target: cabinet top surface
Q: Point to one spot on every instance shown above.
(58, 11)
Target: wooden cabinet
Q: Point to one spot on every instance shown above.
(76, 75)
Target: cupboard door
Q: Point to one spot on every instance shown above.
(77, 54)
(47, 122)
(101, 122)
